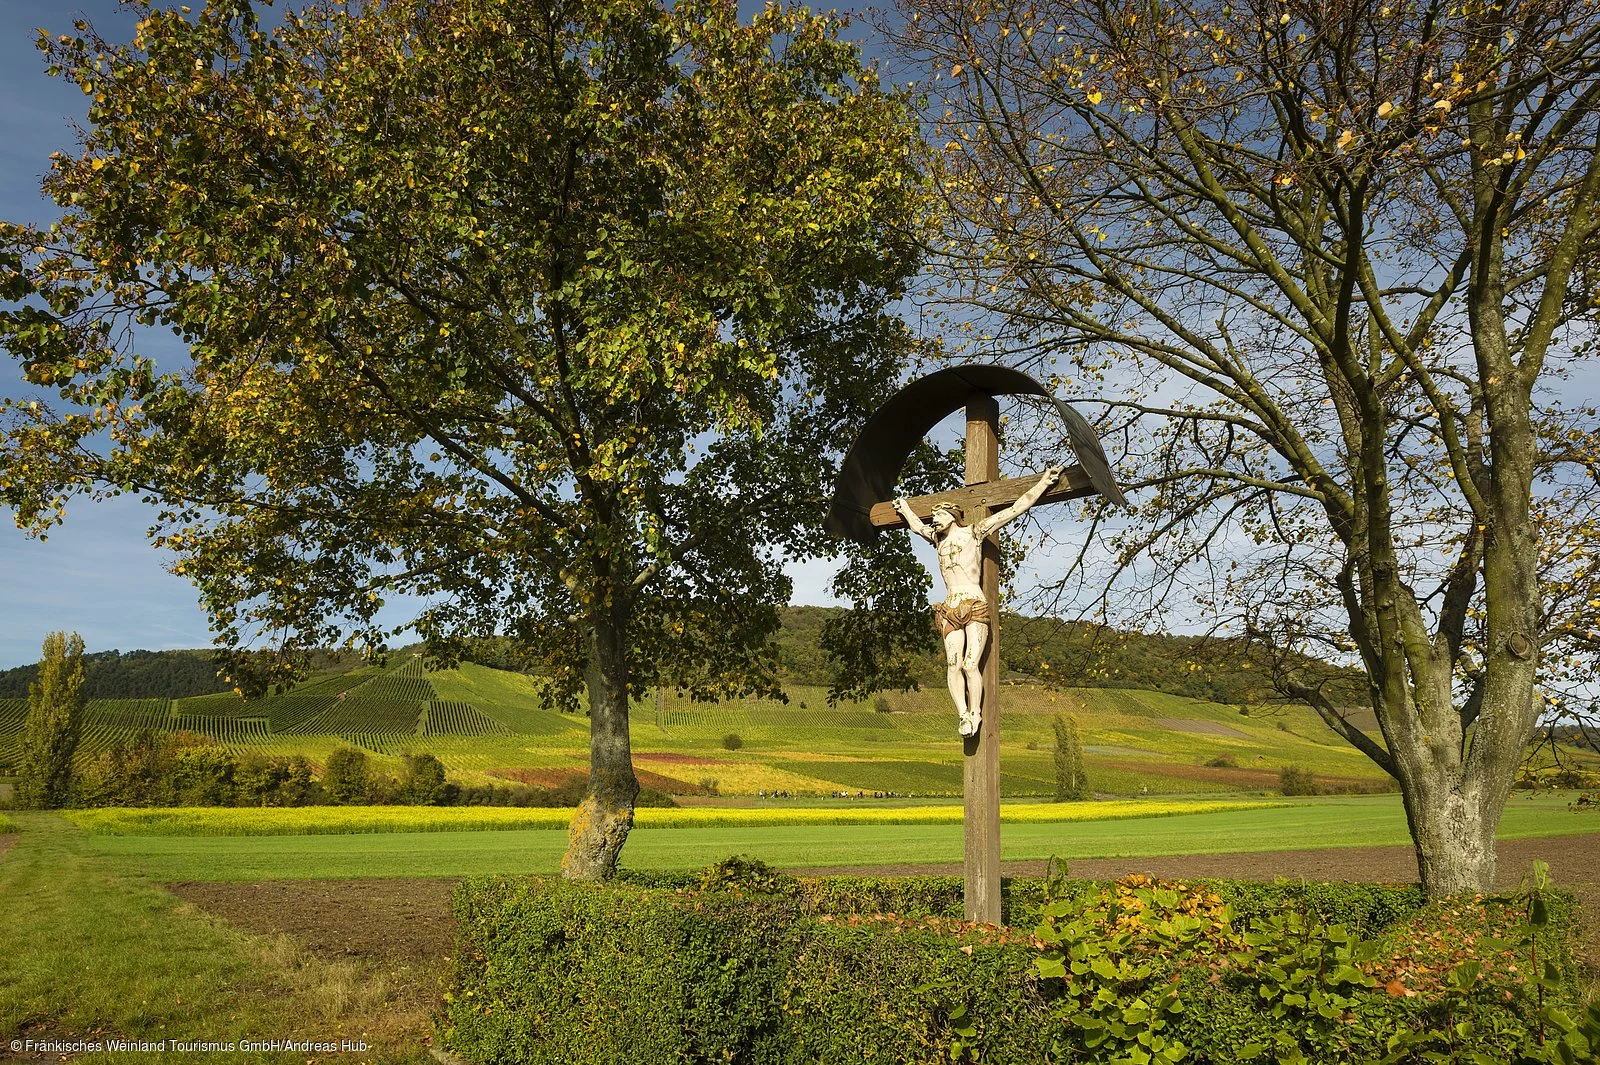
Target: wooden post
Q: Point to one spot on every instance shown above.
(980, 773)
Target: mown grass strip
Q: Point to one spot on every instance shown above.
(338, 820)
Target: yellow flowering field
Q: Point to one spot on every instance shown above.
(328, 820)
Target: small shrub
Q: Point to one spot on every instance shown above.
(1222, 761)
(742, 871)
(1283, 726)
(424, 783)
(344, 778)
(1293, 780)
(1033, 745)
(732, 741)
(653, 798)
(709, 785)
(881, 705)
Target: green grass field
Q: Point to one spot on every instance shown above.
(96, 947)
(1323, 822)
(95, 951)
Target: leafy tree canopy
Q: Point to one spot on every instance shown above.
(518, 304)
(550, 311)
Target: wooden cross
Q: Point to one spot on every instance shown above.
(858, 512)
(983, 494)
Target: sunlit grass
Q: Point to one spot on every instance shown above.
(93, 950)
(1367, 821)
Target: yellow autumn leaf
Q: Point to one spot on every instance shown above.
(1095, 97)
(1345, 138)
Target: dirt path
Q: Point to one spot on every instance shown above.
(7, 842)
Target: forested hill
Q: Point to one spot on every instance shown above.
(1087, 656)
(131, 675)
(1090, 656)
(1076, 655)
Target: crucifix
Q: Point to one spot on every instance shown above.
(862, 507)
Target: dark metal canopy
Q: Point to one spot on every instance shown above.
(879, 453)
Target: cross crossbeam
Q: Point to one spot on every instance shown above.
(994, 495)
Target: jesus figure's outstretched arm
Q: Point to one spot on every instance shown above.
(1027, 499)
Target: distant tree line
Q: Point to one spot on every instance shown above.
(1069, 654)
(131, 675)
(183, 769)
(186, 769)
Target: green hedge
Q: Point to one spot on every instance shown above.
(556, 972)
(1365, 908)
(770, 970)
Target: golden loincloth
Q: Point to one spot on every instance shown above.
(951, 617)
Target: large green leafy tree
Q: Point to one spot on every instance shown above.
(550, 311)
(54, 724)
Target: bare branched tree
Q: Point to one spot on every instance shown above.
(1335, 265)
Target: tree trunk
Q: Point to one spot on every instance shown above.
(603, 820)
(1453, 826)
(1455, 780)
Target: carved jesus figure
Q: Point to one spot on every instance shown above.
(963, 617)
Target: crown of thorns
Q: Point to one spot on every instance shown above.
(954, 510)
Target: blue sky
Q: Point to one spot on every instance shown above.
(96, 574)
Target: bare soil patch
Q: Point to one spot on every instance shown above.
(676, 758)
(399, 921)
(1201, 727)
(401, 928)
(1243, 777)
(7, 841)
